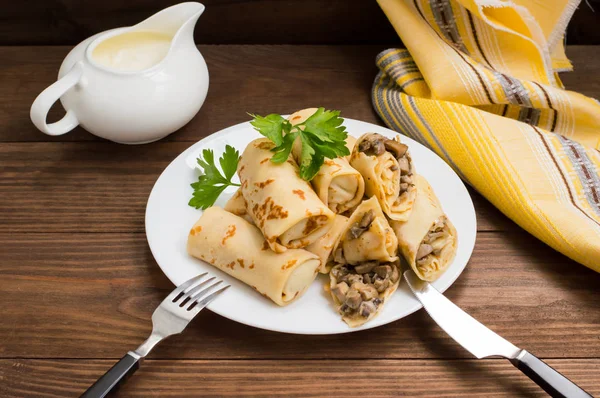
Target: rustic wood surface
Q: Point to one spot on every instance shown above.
(61, 22)
(78, 283)
(291, 378)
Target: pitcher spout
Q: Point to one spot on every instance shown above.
(177, 21)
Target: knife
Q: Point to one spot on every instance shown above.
(482, 342)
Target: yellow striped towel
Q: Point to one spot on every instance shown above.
(478, 85)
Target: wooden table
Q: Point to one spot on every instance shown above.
(78, 283)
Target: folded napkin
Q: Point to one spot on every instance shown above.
(478, 85)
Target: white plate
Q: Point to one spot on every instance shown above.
(169, 219)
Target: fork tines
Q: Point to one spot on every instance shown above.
(193, 294)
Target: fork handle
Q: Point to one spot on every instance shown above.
(114, 377)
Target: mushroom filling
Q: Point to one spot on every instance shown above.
(433, 243)
(360, 289)
(361, 226)
(376, 145)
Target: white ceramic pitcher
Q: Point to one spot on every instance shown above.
(131, 107)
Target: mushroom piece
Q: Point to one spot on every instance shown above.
(353, 299)
(368, 292)
(383, 271)
(365, 268)
(355, 232)
(424, 250)
(430, 237)
(404, 166)
(338, 256)
(377, 147)
(367, 278)
(381, 285)
(372, 145)
(340, 291)
(344, 309)
(396, 148)
(367, 308)
(340, 272)
(367, 219)
(406, 179)
(353, 278)
(363, 225)
(364, 145)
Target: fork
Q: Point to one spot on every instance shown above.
(170, 317)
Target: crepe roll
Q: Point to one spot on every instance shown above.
(368, 236)
(388, 171)
(325, 245)
(237, 205)
(238, 248)
(360, 292)
(428, 240)
(281, 204)
(322, 247)
(336, 183)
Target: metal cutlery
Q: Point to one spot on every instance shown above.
(170, 317)
(482, 342)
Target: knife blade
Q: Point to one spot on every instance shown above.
(482, 342)
(463, 328)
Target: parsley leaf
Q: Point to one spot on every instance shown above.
(271, 126)
(229, 161)
(322, 136)
(310, 160)
(327, 126)
(212, 183)
(282, 152)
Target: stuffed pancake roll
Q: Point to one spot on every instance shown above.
(360, 292)
(366, 270)
(388, 171)
(428, 240)
(282, 205)
(237, 205)
(324, 246)
(238, 248)
(368, 236)
(336, 183)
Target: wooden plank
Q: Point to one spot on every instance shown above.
(260, 79)
(225, 22)
(351, 378)
(77, 295)
(102, 187)
(586, 64)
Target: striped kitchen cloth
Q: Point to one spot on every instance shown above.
(478, 84)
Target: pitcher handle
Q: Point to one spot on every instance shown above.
(42, 104)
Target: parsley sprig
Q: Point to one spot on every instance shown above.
(321, 135)
(212, 183)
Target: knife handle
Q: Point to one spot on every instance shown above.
(551, 381)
